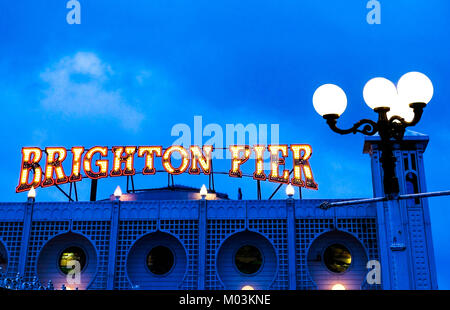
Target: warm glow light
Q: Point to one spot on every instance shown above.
(380, 92)
(123, 156)
(415, 87)
(247, 288)
(95, 163)
(55, 157)
(302, 153)
(76, 164)
(30, 162)
(290, 191)
(401, 108)
(102, 164)
(32, 193)
(276, 161)
(203, 191)
(148, 152)
(259, 163)
(201, 160)
(338, 287)
(237, 160)
(167, 159)
(329, 99)
(118, 192)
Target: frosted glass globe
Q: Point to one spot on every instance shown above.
(415, 87)
(329, 99)
(401, 108)
(290, 191)
(379, 92)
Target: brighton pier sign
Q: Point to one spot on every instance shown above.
(194, 160)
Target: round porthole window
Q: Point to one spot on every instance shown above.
(337, 258)
(248, 259)
(160, 260)
(68, 256)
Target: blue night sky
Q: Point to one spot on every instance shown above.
(134, 69)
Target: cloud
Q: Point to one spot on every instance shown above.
(77, 87)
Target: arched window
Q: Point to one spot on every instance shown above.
(412, 187)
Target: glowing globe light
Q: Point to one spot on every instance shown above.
(338, 287)
(401, 108)
(415, 87)
(203, 191)
(247, 288)
(290, 191)
(329, 99)
(118, 192)
(32, 193)
(380, 93)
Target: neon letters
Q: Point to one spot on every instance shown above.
(95, 164)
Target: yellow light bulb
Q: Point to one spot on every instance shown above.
(203, 191)
(338, 287)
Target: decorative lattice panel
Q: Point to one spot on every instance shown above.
(419, 249)
(129, 232)
(41, 232)
(11, 236)
(366, 231)
(276, 232)
(218, 230)
(306, 231)
(99, 233)
(187, 232)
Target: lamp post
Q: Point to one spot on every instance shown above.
(397, 108)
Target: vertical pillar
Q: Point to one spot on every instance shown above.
(426, 219)
(400, 266)
(202, 230)
(290, 206)
(114, 234)
(27, 221)
(404, 233)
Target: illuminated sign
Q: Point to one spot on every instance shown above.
(194, 160)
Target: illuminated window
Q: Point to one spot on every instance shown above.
(73, 253)
(337, 258)
(248, 259)
(160, 260)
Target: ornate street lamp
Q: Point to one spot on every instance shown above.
(397, 108)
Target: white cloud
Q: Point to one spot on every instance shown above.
(143, 76)
(77, 88)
